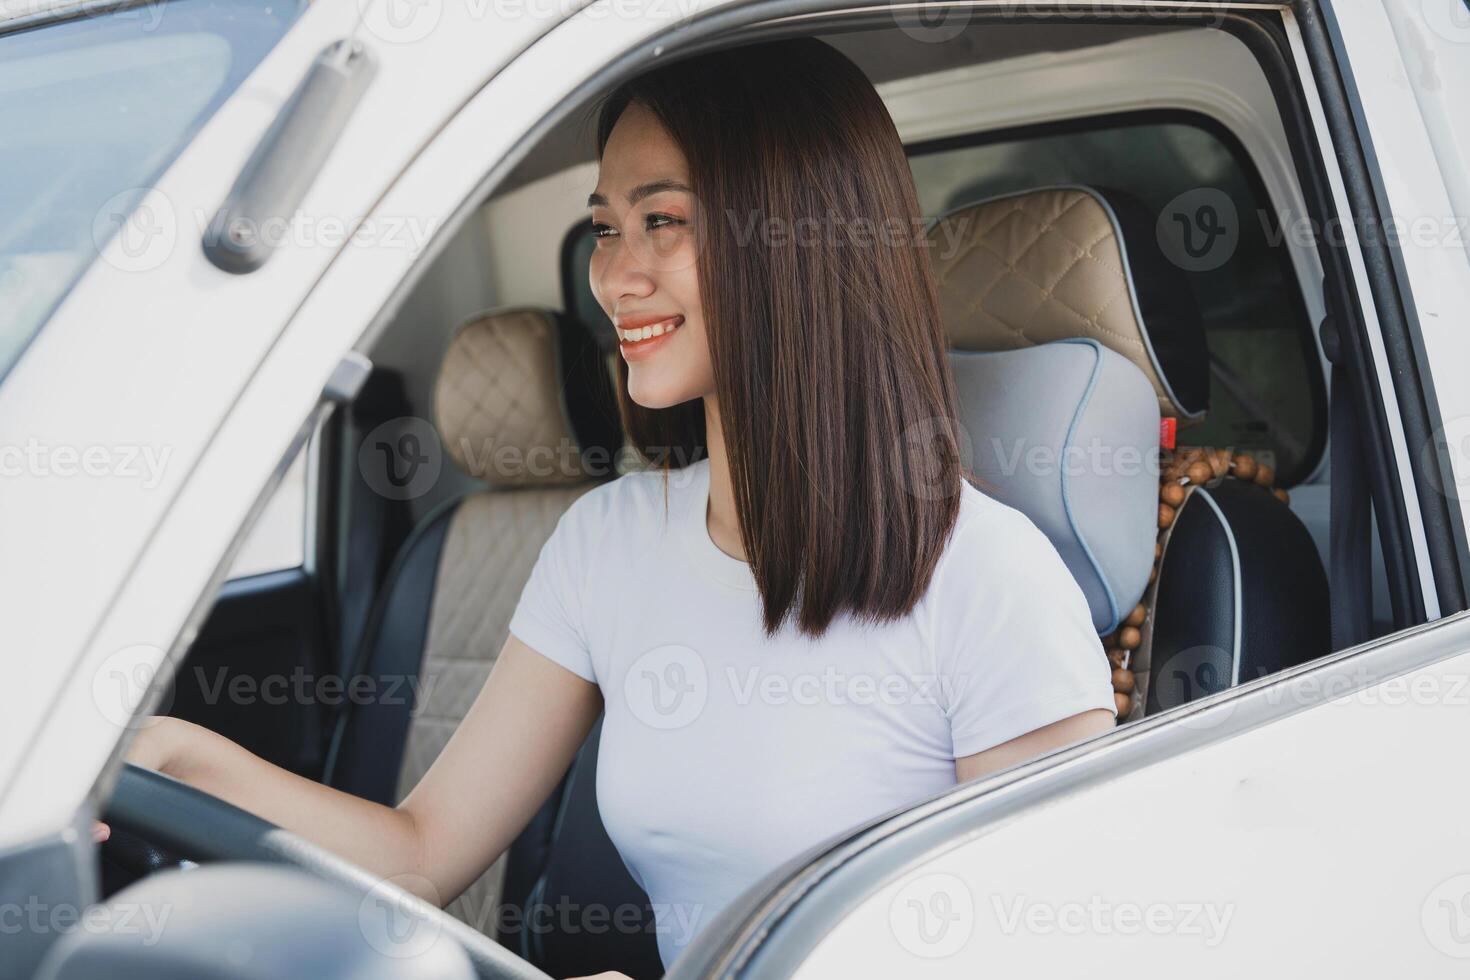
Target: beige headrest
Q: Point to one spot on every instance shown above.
(498, 402)
(1046, 265)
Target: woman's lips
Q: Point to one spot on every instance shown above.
(638, 338)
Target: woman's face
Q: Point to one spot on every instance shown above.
(643, 267)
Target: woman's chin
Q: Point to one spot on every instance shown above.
(652, 394)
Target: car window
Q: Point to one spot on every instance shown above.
(93, 109)
(277, 541)
(1267, 394)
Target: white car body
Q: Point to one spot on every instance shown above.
(1269, 810)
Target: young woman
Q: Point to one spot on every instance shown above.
(802, 616)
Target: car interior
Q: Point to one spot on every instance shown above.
(396, 547)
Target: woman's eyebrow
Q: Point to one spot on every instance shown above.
(640, 192)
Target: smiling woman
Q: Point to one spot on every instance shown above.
(806, 537)
(802, 616)
(727, 204)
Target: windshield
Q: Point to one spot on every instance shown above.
(93, 109)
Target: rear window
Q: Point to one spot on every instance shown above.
(1266, 387)
(94, 108)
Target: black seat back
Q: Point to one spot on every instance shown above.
(571, 907)
(1241, 593)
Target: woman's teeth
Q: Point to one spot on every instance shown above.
(652, 330)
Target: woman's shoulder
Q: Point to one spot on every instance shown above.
(636, 498)
(995, 539)
(980, 512)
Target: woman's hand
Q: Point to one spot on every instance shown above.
(541, 710)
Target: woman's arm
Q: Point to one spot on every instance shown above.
(512, 748)
(1034, 743)
(515, 742)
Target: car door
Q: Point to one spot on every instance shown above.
(149, 591)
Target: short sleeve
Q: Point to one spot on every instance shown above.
(549, 616)
(1015, 642)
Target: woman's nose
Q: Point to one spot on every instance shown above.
(622, 275)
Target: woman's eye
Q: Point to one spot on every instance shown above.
(601, 230)
(657, 221)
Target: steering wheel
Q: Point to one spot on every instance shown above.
(177, 820)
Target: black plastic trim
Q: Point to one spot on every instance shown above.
(1266, 38)
(273, 580)
(1403, 338)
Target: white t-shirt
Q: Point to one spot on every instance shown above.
(725, 753)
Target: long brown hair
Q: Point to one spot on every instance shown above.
(836, 402)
